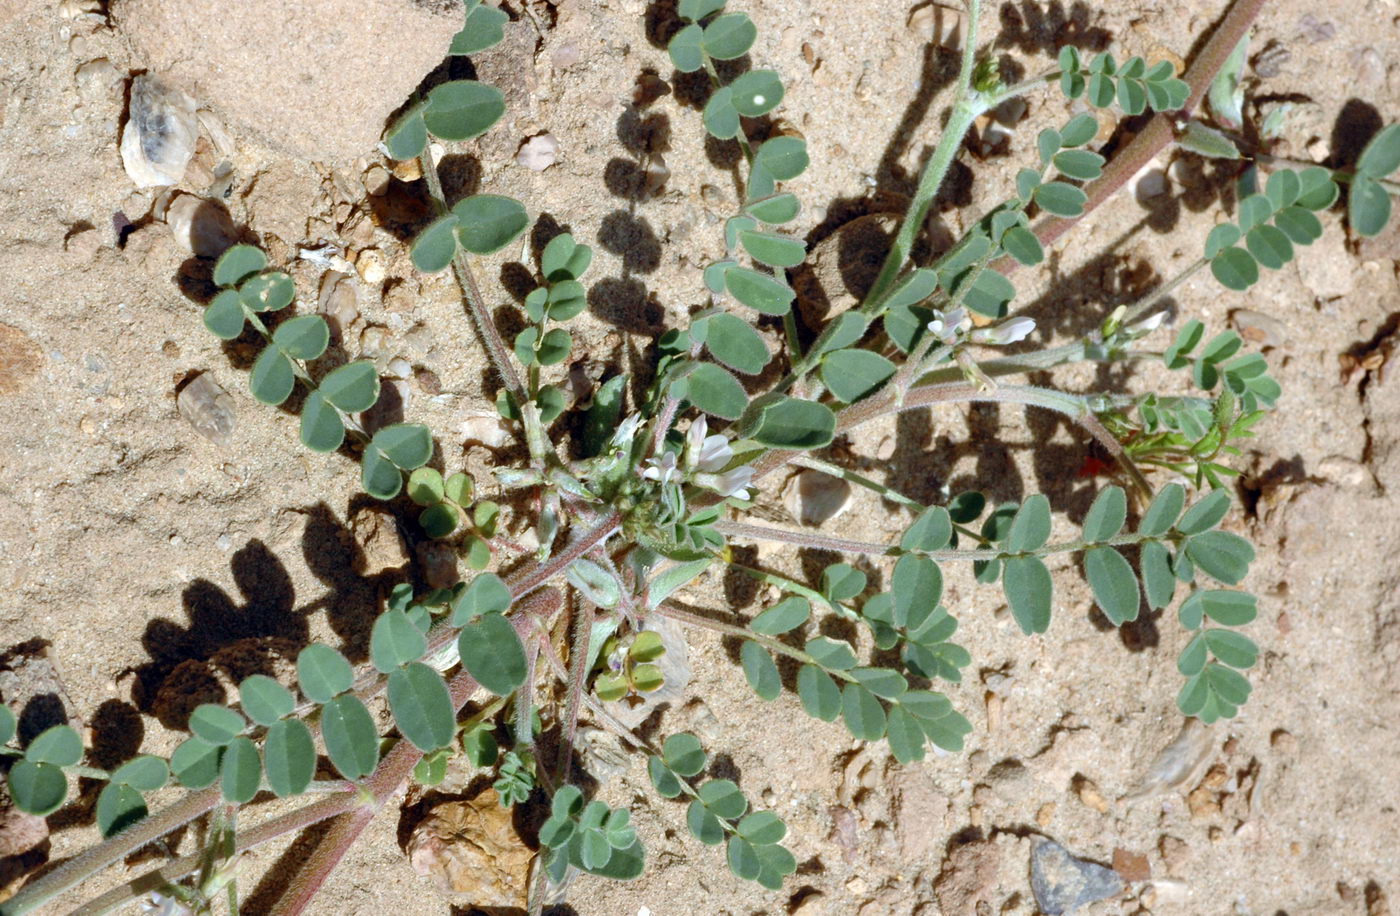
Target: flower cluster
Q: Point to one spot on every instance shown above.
(704, 463)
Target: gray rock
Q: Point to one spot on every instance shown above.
(1062, 883)
(208, 408)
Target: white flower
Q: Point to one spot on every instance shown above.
(1147, 325)
(662, 468)
(628, 428)
(1008, 332)
(733, 482)
(945, 326)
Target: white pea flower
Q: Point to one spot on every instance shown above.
(705, 452)
(733, 482)
(662, 468)
(1008, 332)
(627, 430)
(946, 325)
(1147, 325)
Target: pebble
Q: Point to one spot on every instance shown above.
(472, 848)
(1344, 471)
(1175, 853)
(813, 904)
(538, 153)
(1315, 31)
(376, 534)
(202, 227)
(407, 170)
(376, 180)
(1259, 328)
(1090, 795)
(336, 300)
(207, 407)
(438, 561)
(1174, 764)
(370, 265)
(942, 25)
(1062, 882)
(813, 497)
(97, 74)
(484, 427)
(967, 880)
(1370, 68)
(1131, 866)
(159, 136)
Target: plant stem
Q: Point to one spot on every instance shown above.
(496, 349)
(816, 464)
(1139, 308)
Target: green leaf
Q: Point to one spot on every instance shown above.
(353, 387)
(1207, 141)
(479, 746)
(1193, 657)
(462, 109)
(267, 292)
(756, 93)
(723, 798)
(1269, 246)
(715, 391)
(761, 672)
(352, 741)
(1283, 188)
(883, 682)
(989, 293)
(696, 10)
(905, 735)
(489, 222)
(1300, 225)
(289, 757)
(554, 347)
(1026, 582)
(734, 342)
(775, 863)
(224, 317)
(1022, 244)
(1048, 143)
(1158, 582)
(760, 292)
(1368, 206)
(1221, 555)
(240, 771)
(784, 157)
(1115, 587)
(773, 250)
(1027, 180)
(264, 700)
(666, 783)
(215, 724)
(1233, 649)
(408, 137)
(272, 378)
(487, 594)
(145, 773)
(932, 530)
(729, 36)
(916, 587)
(661, 587)
(58, 745)
(742, 858)
(435, 246)
(1208, 512)
(395, 641)
(1220, 238)
(854, 374)
(564, 259)
(422, 706)
(842, 582)
(321, 427)
(720, 117)
(1165, 508)
(1107, 515)
(237, 264)
(426, 487)
(1382, 155)
(567, 298)
(602, 418)
(323, 672)
(682, 753)
(37, 788)
(1079, 163)
(1235, 268)
(118, 807)
(491, 653)
(794, 423)
(703, 824)
(484, 29)
(863, 713)
(774, 210)
(687, 56)
(1080, 130)
(405, 445)
(820, 696)
(1061, 199)
(195, 763)
(1228, 608)
(762, 828)
(783, 617)
(832, 654)
(1030, 528)
(1318, 191)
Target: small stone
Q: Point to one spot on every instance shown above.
(376, 180)
(857, 886)
(373, 340)
(201, 227)
(337, 301)
(1131, 866)
(427, 381)
(942, 25)
(472, 848)
(1283, 741)
(1061, 882)
(208, 408)
(1377, 902)
(1346, 472)
(813, 497)
(408, 170)
(20, 360)
(1204, 804)
(438, 561)
(159, 136)
(1315, 31)
(381, 546)
(993, 703)
(813, 904)
(1176, 763)
(1370, 68)
(370, 265)
(1046, 814)
(538, 153)
(564, 57)
(967, 880)
(97, 75)
(1259, 328)
(1090, 795)
(1175, 853)
(1150, 183)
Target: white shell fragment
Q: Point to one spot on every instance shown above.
(208, 408)
(814, 497)
(1175, 764)
(160, 132)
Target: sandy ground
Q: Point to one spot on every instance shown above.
(130, 542)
